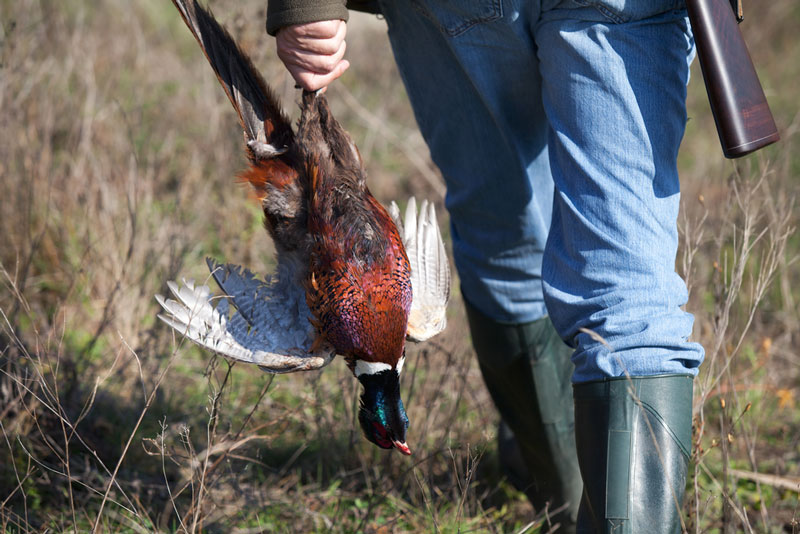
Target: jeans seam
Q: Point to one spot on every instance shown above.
(497, 13)
(607, 12)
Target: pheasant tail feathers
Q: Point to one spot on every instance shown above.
(267, 130)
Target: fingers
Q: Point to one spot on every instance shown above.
(311, 81)
(322, 37)
(313, 53)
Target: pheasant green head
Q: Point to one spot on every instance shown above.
(382, 415)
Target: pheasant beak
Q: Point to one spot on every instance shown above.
(402, 447)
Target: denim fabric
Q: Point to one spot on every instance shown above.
(568, 112)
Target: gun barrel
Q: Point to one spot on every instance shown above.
(741, 112)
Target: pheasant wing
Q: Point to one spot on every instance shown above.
(269, 326)
(430, 269)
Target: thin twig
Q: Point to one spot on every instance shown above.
(150, 400)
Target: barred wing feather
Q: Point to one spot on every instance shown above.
(268, 323)
(269, 326)
(430, 269)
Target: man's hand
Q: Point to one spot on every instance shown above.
(313, 52)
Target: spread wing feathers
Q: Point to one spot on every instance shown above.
(269, 326)
(267, 129)
(430, 269)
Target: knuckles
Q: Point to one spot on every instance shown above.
(313, 53)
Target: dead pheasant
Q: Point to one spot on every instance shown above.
(351, 279)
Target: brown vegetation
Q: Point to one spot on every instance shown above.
(117, 164)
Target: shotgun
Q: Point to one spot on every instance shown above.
(741, 113)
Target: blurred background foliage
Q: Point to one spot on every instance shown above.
(118, 161)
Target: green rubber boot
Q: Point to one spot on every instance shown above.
(634, 440)
(527, 370)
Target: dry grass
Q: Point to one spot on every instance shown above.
(117, 156)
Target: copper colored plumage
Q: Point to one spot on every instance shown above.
(359, 282)
(344, 280)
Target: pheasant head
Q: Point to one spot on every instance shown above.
(382, 415)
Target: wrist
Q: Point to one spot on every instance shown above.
(282, 13)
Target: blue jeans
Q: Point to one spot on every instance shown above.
(556, 125)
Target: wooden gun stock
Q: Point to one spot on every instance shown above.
(744, 121)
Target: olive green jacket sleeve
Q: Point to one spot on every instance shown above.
(282, 13)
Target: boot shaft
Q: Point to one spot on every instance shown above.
(634, 440)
